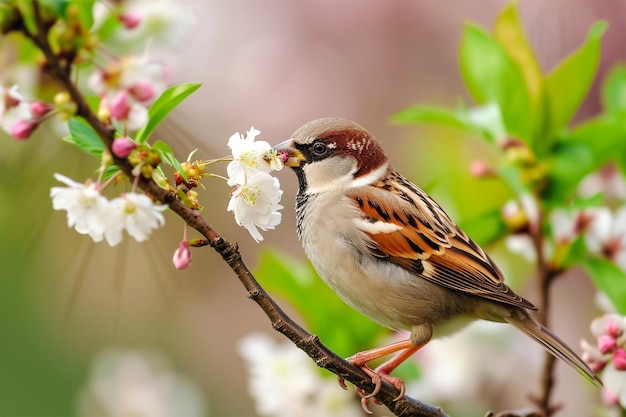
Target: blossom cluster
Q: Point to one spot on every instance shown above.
(603, 229)
(608, 355)
(19, 117)
(284, 382)
(91, 213)
(126, 87)
(256, 194)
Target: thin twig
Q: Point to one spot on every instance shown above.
(280, 321)
(546, 275)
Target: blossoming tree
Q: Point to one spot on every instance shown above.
(112, 104)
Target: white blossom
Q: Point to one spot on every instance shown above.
(127, 86)
(281, 377)
(248, 156)
(607, 235)
(135, 213)
(85, 206)
(138, 384)
(89, 212)
(608, 181)
(13, 108)
(255, 203)
(284, 382)
(614, 384)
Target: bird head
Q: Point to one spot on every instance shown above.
(332, 153)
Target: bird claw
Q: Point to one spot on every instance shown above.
(377, 376)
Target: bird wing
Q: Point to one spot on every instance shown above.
(411, 230)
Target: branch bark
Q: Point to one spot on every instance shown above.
(280, 321)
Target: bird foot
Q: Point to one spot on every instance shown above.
(378, 376)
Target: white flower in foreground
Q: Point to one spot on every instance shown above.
(255, 204)
(135, 213)
(332, 402)
(283, 381)
(248, 156)
(138, 384)
(85, 206)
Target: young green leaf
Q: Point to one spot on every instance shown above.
(491, 75)
(609, 278)
(85, 138)
(167, 155)
(614, 92)
(161, 107)
(568, 83)
(585, 149)
(436, 116)
(509, 32)
(481, 121)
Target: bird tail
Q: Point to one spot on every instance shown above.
(552, 344)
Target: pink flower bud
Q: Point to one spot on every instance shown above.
(619, 359)
(480, 169)
(119, 107)
(130, 20)
(122, 147)
(612, 328)
(606, 343)
(609, 398)
(39, 109)
(22, 129)
(142, 91)
(182, 256)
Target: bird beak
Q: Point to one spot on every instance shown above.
(292, 157)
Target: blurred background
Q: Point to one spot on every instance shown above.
(275, 65)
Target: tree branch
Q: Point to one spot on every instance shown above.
(281, 322)
(546, 275)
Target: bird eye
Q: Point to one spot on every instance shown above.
(319, 149)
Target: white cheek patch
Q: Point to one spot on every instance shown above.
(376, 227)
(330, 174)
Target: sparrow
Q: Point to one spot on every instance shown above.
(392, 253)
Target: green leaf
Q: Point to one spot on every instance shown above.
(84, 11)
(482, 121)
(576, 251)
(432, 115)
(614, 92)
(161, 107)
(509, 32)
(85, 137)
(568, 83)
(585, 149)
(491, 75)
(485, 228)
(609, 278)
(167, 155)
(298, 284)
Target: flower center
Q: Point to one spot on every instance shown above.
(250, 194)
(248, 159)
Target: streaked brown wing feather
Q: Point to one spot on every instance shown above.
(427, 242)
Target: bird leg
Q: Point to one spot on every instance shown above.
(381, 373)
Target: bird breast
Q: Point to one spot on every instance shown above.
(377, 288)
